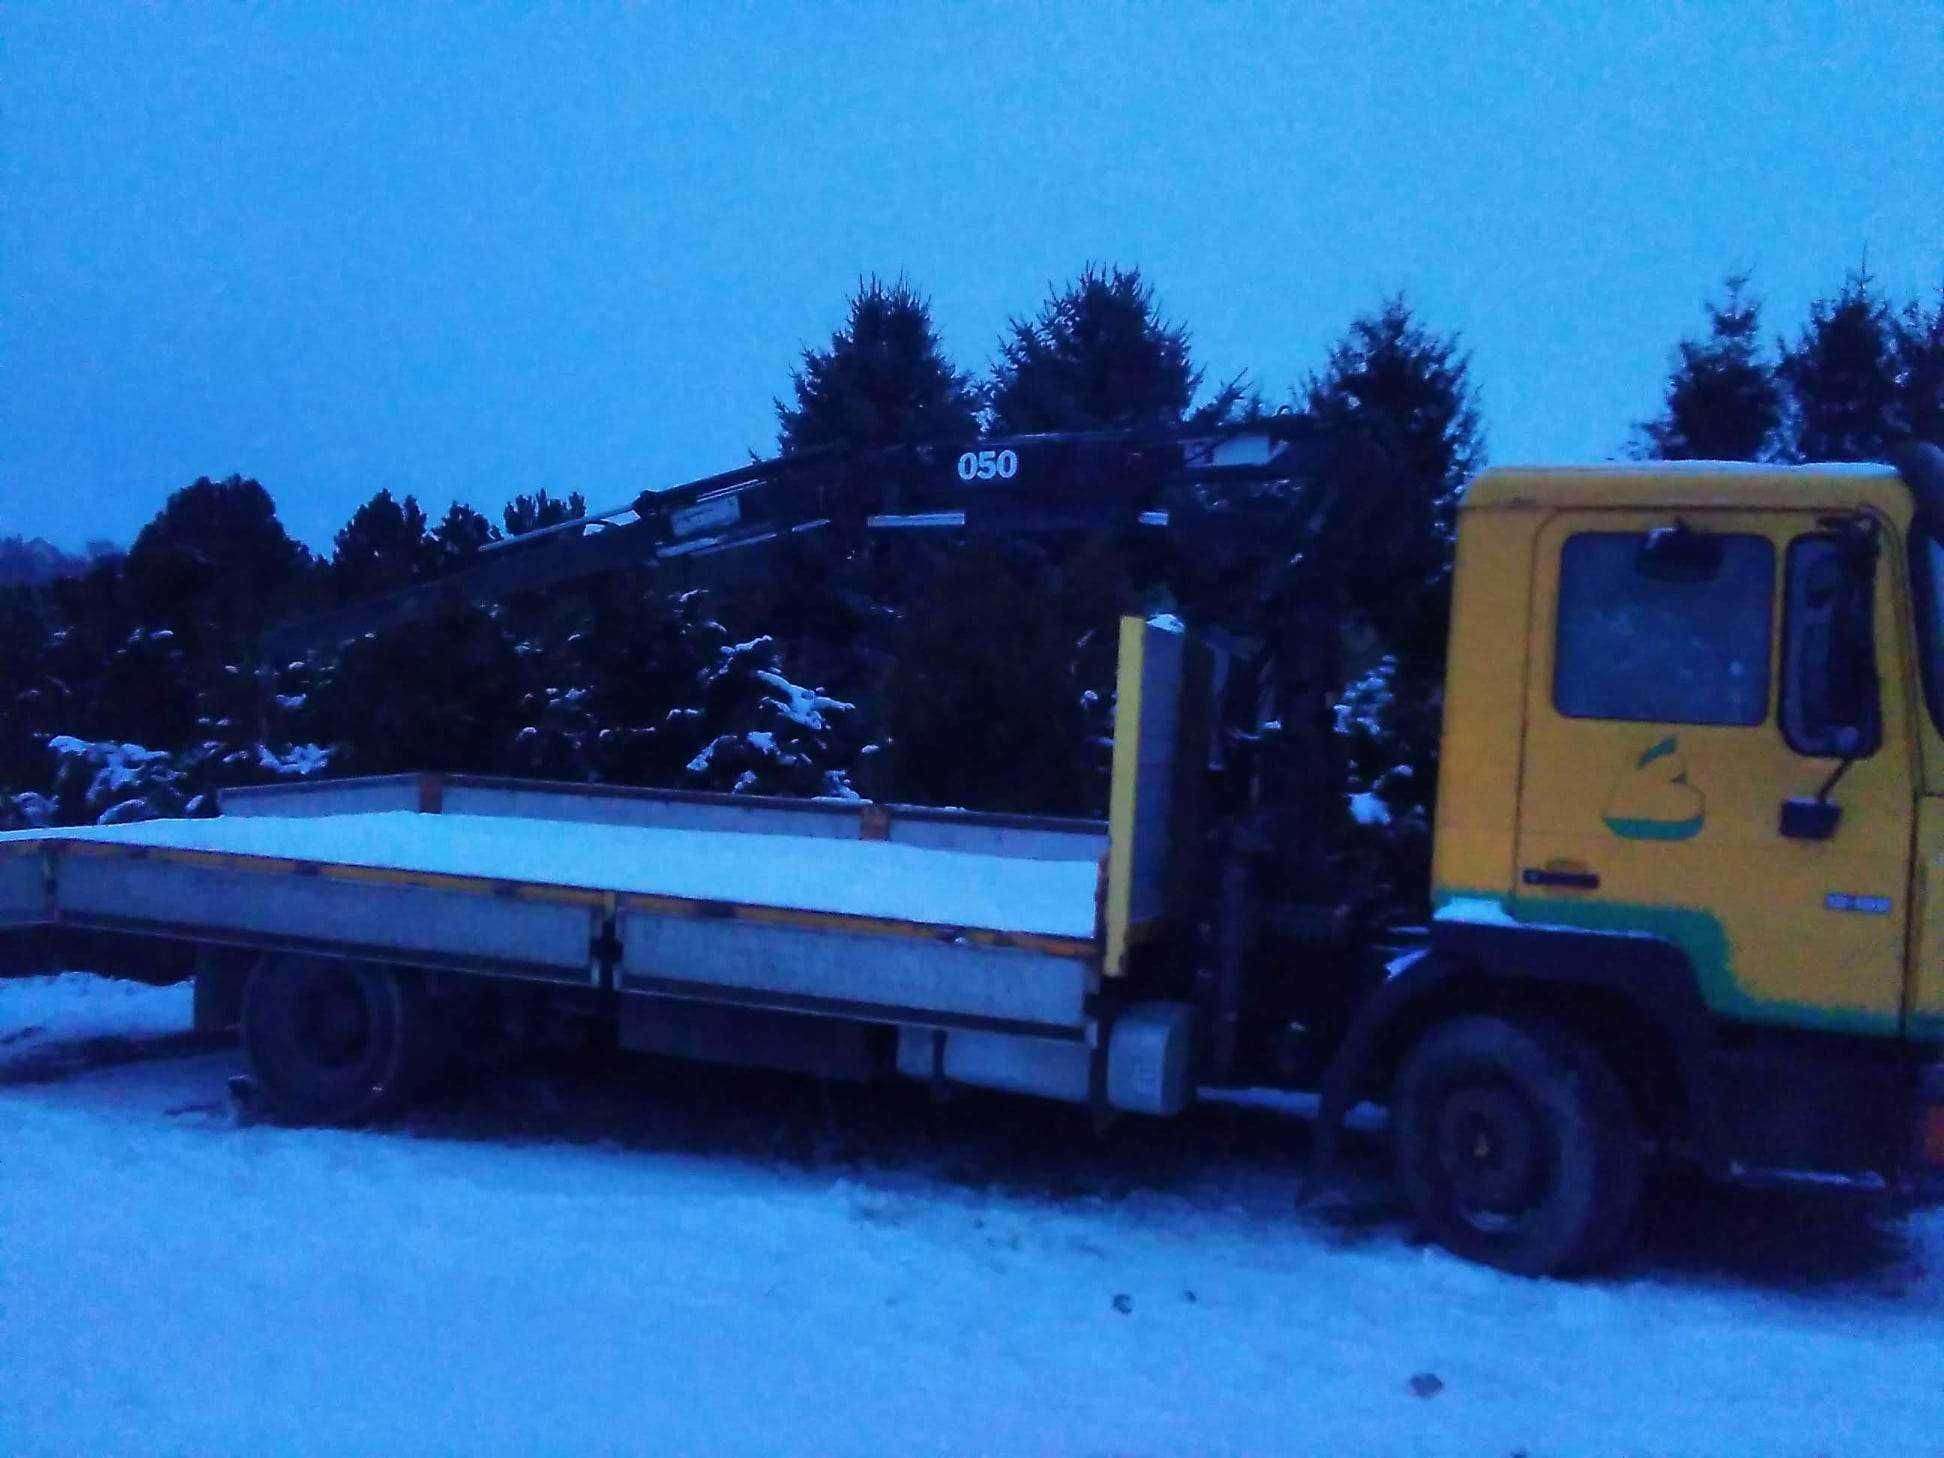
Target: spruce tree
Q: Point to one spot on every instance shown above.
(31, 701)
(461, 535)
(1017, 716)
(1722, 401)
(1395, 415)
(531, 513)
(982, 707)
(1920, 369)
(1343, 573)
(385, 545)
(1841, 376)
(441, 694)
(882, 381)
(765, 733)
(214, 566)
(1098, 356)
(643, 657)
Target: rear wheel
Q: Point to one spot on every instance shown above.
(1516, 1145)
(333, 1042)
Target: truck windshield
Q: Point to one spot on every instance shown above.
(1927, 573)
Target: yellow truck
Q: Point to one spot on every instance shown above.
(1687, 848)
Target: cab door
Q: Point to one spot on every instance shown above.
(1677, 687)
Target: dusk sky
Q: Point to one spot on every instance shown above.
(471, 251)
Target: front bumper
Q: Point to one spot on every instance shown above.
(1924, 1176)
(1834, 1113)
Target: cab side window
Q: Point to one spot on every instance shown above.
(1677, 637)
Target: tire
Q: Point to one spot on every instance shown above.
(332, 1042)
(1516, 1145)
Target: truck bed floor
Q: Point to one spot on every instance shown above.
(851, 878)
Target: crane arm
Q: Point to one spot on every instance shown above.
(1061, 482)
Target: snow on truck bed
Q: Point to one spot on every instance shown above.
(845, 877)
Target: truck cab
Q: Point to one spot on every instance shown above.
(1691, 809)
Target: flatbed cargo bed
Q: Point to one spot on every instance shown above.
(914, 918)
(889, 914)
(960, 890)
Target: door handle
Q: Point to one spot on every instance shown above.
(1577, 880)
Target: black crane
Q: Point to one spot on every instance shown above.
(1064, 482)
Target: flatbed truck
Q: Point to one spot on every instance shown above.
(1688, 875)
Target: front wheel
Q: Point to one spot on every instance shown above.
(1516, 1145)
(333, 1042)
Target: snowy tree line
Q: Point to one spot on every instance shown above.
(973, 672)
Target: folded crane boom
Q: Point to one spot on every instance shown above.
(1064, 482)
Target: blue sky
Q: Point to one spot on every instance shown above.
(470, 251)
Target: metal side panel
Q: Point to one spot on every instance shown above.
(23, 888)
(909, 976)
(1078, 841)
(720, 813)
(1053, 1068)
(432, 926)
(325, 797)
(1020, 837)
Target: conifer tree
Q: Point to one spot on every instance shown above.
(982, 707)
(1841, 376)
(1098, 355)
(1920, 369)
(1722, 401)
(214, 566)
(385, 545)
(767, 734)
(442, 694)
(530, 513)
(1343, 573)
(1396, 416)
(642, 659)
(31, 701)
(461, 535)
(883, 380)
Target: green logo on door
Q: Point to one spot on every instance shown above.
(1653, 800)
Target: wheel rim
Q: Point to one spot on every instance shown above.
(332, 1023)
(1493, 1154)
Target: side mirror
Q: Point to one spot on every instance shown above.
(1852, 641)
(1804, 818)
(1830, 696)
(1830, 701)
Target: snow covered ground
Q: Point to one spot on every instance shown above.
(670, 1260)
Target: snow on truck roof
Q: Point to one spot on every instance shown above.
(874, 879)
(1732, 484)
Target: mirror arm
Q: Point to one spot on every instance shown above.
(1822, 793)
